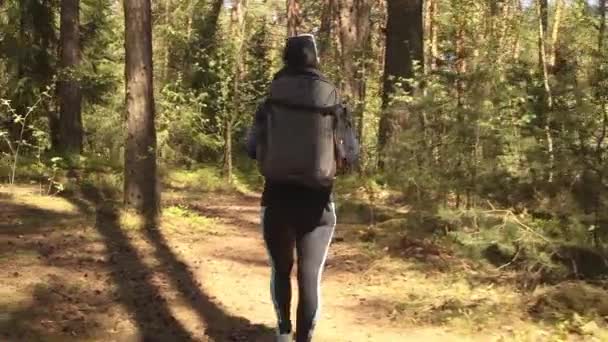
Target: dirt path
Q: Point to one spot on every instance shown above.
(237, 260)
(71, 274)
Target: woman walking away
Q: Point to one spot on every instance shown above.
(301, 136)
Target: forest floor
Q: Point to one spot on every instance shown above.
(74, 269)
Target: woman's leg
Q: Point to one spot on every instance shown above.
(280, 244)
(312, 247)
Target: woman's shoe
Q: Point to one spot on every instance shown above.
(284, 338)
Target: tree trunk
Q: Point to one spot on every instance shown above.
(404, 45)
(461, 63)
(516, 49)
(600, 150)
(167, 43)
(559, 8)
(68, 87)
(293, 17)
(238, 30)
(326, 30)
(543, 21)
(602, 27)
(354, 34)
(430, 35)
(190, 20)
(542, 25)
(461, 70)
(140, 188)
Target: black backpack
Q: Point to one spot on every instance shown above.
(298, 143)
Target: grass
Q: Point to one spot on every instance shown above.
(201, 178)
(180, 218)
(460, 248)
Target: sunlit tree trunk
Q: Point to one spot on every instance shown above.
(542, 12)
(461, 70)
(602, 27)
(516, 48)
(430, 34)
(237, 22)
(293, 17)
(167, 43)
(70, 95)
(541, 7)
(140, 186)
(559, 8)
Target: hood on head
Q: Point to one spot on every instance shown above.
(301, 52)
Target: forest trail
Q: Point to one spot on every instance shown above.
(69, 274)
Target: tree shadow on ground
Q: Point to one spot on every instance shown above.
(59, 310)
(23, 219)
(230, 216)
(221, 326)
(151, 312)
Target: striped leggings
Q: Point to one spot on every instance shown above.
(310, 232)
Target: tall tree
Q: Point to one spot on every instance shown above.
(430, 34)
(140, 185)
(542, 11)
(237, 22)
(557, 20)
(404, 45)
(325, 30)
(354, 33)
(293, 17)
(600, 149)
(602, 27)
(70, 95)
(541, 8)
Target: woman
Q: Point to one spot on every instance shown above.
(298, 211)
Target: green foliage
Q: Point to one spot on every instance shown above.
(29, 137)
(200, 177)
(475, 138)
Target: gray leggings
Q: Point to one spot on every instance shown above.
(310, 232)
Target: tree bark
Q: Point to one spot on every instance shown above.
(167, 47)
(68, 87)
(542, 25)
(543, 21)
(293, 17)
(602, 27)
(354, 34)
(237, 28)
(140, 187)
(559, 8)
(461, 62)
(516, 48)
(599, 149)
(404, 45)
(430, 34)
(326, 30)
